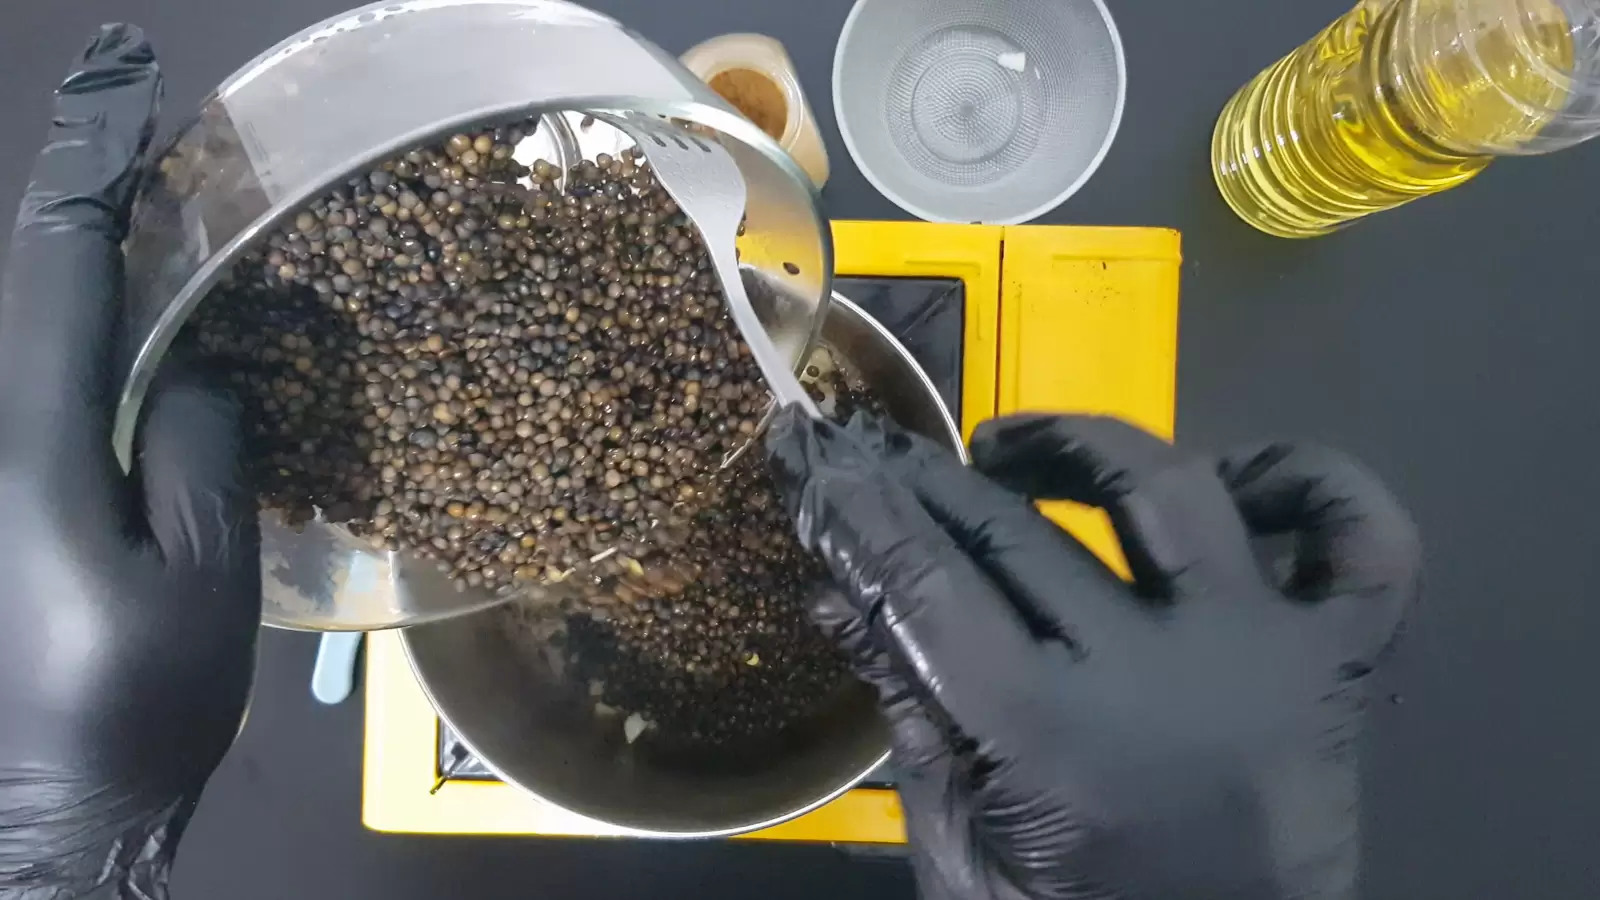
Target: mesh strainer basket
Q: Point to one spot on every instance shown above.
(977, 110)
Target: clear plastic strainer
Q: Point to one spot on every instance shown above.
(975, 111)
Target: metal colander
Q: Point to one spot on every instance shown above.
(359, 88)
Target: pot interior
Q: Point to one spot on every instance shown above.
(499, 680)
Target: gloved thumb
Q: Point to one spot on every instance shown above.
(199, 506)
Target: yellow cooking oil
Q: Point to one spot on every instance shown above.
(1396, 100)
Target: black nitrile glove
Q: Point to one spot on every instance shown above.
(1060, 733)
(128, 606)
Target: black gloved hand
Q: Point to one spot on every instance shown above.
(1060, 733)
(128, 606)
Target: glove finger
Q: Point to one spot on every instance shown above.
(936, 795)
(61, 297)
(916, 741)
(1178, 528)
(1061, 588)
(1354, 542)
(201, 513)
(932, 758)
(935, 803)
(951, 634)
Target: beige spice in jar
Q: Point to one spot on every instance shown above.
(757, 96)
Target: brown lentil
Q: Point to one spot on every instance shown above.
(510, 372)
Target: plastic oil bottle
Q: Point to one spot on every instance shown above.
(1404, 98)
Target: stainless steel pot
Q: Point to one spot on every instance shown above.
(359, 88)
(508, 701)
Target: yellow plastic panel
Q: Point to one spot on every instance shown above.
(1089, 324)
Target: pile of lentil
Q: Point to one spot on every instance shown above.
(458, 356)
(713, 649)
(512, 372)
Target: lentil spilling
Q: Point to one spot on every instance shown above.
(712, 649)
(514, 371)
(484, 363)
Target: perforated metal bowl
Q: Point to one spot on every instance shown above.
(359, 88)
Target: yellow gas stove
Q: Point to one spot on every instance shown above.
(1050, 318)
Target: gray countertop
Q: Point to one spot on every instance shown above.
(1448, 344)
